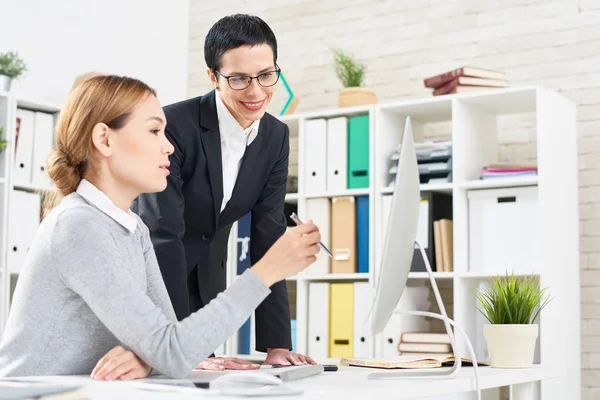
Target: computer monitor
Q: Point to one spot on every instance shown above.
(401, 232)
(398, 250)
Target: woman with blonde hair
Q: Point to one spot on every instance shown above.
(91, 284)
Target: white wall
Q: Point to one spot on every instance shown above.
(62, 39)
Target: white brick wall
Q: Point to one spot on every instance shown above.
(555, 43)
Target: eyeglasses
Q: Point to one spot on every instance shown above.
(241, 82)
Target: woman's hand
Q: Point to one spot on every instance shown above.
(293, 252)
(120, 363)
(223, 363)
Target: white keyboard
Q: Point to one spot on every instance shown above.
(294, 372)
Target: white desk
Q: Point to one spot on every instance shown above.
(348, 383)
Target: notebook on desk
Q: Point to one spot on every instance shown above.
(407, 362)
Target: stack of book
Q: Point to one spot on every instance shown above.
(425, 344)
(494, 171)
(465, 79)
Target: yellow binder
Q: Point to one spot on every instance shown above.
(341, 320)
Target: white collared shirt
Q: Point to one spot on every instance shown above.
(234, 140)
(97, 197)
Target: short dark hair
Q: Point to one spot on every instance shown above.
(235, 31)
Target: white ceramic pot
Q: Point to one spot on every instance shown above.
(511, 346)
(5, 82)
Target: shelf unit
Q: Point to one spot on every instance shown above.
(9, 104)
(474, 122)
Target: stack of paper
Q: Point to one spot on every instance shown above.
(505, 171)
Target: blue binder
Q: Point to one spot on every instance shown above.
(243, 243)
(244, 338)
(362, 233)
(293, 329)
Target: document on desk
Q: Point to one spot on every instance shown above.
(407, 362)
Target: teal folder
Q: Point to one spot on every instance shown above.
(358, 152)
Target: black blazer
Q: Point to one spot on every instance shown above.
(187, 229)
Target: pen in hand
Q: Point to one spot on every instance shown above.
(297, 220)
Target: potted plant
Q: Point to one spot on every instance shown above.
(11, 67)
(351, 74)
(511, 305)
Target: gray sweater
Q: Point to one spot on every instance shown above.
(89, 284)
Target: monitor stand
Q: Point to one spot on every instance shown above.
(433, 373)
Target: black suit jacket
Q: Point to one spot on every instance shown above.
(189, 232)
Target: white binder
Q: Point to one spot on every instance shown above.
(23, 222)
(391, 336)
(318, 320)
(363, 342)
(337, 154)
(24, 153)
(315, 151)
(319, 210)
(253, 335)
(386, 208)
(43, 144)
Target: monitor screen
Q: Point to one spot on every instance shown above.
(399, 241)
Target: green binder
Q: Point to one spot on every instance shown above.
(358, 152)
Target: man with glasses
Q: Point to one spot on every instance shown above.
(230, 158)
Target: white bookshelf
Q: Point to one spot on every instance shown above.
(9, 104)
(473, 119)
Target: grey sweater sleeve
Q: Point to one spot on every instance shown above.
(98, 271)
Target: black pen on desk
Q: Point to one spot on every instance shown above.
(297, 220)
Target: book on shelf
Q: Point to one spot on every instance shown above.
(424, 347)
(425, 355)
(462, 89)
(436, 81)
(407, 362)
(425, 337)
(443, 245)
(504, 171)
(468, 84)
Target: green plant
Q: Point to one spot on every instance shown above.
(11, 65)
(2, 140)
(512, 300)
(349, 71)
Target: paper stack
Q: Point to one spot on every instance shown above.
(506, 171)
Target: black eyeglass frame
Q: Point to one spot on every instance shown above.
(277, 71)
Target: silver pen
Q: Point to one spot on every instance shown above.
(297, 220)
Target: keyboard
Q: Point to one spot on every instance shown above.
(293, 372)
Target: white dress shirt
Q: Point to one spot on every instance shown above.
(234, 140)
(97, 198)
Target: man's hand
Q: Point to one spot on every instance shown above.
(120, 363)
(223, 363)
(286, 357)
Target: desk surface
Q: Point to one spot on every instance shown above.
(347, 383)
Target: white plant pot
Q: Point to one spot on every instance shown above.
(511, 346)
(5, 82)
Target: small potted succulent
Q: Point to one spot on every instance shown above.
(511, 304)
(11, 67)
(351, 74)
